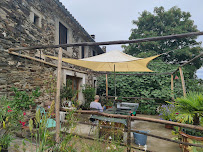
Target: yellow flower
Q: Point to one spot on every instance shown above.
(38, 116)
(31, 125)
(4, 125)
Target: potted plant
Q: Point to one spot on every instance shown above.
(109, 104)
(168, 112)
(191, 111)
(66, 95)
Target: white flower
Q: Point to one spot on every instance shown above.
(145, 147)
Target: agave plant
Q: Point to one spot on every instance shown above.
(191, 104)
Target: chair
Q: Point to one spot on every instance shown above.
(92, 121)
(50, 122)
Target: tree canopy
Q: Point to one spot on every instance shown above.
(161, 23)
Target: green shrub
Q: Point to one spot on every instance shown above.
(23, 100)
(89, 93)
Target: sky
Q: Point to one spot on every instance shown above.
(111, 20)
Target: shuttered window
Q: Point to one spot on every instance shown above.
(62, 34)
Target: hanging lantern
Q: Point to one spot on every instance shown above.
(176, 77)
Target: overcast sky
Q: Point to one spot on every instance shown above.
(112, 19)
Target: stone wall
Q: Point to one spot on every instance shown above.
(17, 29)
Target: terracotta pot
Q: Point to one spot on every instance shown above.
(190, 139)
(168, 126)
(108, 107)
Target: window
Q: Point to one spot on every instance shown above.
(94, 53)
(63, 35)
(73, 82)
(83, 52)
(95, 84)
(36, 20)
(36, 17)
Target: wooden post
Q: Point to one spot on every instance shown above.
(129, 134)
(182, 81)
(106, 87)
(172, 93)
(57, 105)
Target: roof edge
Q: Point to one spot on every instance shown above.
(64, 9)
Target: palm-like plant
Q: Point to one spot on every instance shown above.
(191, 104)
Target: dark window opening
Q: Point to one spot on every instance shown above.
(36, 20)
(83, 52)
(95, 84)
(63, 35)
(73, 84)
(94, 53)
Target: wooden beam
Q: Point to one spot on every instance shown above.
(141, 98)
(41, 61)
(57, 106)
(182, 81)
(110, 42)
(172, 89)
(106, 87)
(201, 54)
(128, 134)
(138, 118)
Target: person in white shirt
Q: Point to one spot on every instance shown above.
(95, 104)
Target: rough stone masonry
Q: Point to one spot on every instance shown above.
(38, 22)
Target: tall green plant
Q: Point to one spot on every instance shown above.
(89, 93)
(191, 104)
(50, 85)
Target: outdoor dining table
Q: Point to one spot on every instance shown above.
(118, 125)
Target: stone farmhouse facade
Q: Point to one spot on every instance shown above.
(26, 23)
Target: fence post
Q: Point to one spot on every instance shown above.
(182, 81)
(57, 105)
(129, 134)
(172, 84)
(106, 87)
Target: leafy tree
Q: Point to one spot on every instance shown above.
(161, 23)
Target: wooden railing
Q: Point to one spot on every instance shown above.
(129, 130)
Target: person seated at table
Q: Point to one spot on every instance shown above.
(95, 104)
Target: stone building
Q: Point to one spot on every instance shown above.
(26, 23)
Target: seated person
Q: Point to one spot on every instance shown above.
(95, 104)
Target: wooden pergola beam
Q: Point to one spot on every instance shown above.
(201, 54)
(110, 42)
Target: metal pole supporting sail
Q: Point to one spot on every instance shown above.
(114, 84)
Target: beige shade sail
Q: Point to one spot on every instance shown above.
(105, 62)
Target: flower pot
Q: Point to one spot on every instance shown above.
(190, 139)
(168, 126)
(108, 107)
(140, 139)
